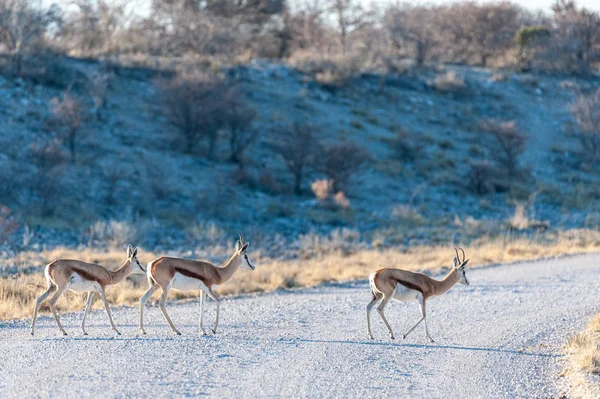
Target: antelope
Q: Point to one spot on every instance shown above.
(75, 275)
(404, 286)
(188, 275)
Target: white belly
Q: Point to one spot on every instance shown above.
(184, 283)
(404, 294)
(78, 283)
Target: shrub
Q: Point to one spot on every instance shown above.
(191, 104)
(48, 158)
(295, 144)
(508, 144)
(404, 145)
(481, 175)
(586, 111)
(69, 114)
(526, 39)
(330, 70)
(237, 117)
(449, 82)
(339, 162)
(8, 224)
(113, 233)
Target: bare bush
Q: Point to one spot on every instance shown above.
(339, 162)
(481, 175)
(8, 224)
(296, 146)
(237, 118)
(113, 233)
(322, 188)
(586, 111)
(350, 16)
(23, 25)
(480, 31)
(529, 39)
(93, 27)
(415, 26)
(577, 34)
(449, 82)
(69, 113)
(404, 145)
(48, 159)
(191, 104)
(507, 147)
(97, 86)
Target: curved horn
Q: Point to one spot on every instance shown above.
(457, 256)
(464, 256)
(241, 237)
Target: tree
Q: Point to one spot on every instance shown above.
(69, 113)
(296, 146)
(23, 24)
(417, 26)
(586, 111)
(509, 144)
(578, 35)
(350, 16)
(339, 162)
(482, 30)
(192, 105)
(526, 39)
(237, 117)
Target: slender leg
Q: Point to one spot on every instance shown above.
(424, 315)
(214, 296)
(380, 308)
(151, 290)
(163, 309)
(370, 306)
(38, 302)
(101, 291)
(90, 299)
(202, 300)
(422, 305)
(53, 300)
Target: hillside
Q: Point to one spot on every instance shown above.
(422, 129)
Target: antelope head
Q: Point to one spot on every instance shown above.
(240, 248)
(459, 266)
(132, 258)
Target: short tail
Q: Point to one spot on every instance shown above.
(372, 285)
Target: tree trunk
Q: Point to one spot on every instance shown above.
(72, 139)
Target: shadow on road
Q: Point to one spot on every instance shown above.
(428, 346)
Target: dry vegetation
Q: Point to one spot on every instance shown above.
(320, 262)
(583, 352)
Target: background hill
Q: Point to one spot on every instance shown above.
(326, 128)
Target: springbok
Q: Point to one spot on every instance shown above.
(75, 275)
(189, 275)
(404, 286)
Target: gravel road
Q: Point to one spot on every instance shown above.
(499, 337)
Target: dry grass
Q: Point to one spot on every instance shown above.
(583, 352)
(449, 82)
(17, 295)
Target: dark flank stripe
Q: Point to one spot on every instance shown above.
(85, 274)
(189, 273)
(409, 285)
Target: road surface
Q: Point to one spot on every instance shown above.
(499, 337)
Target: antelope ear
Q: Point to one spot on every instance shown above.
(465, 263)
(129, 249)
(245, 247)
(237, 245)
(134, 253)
